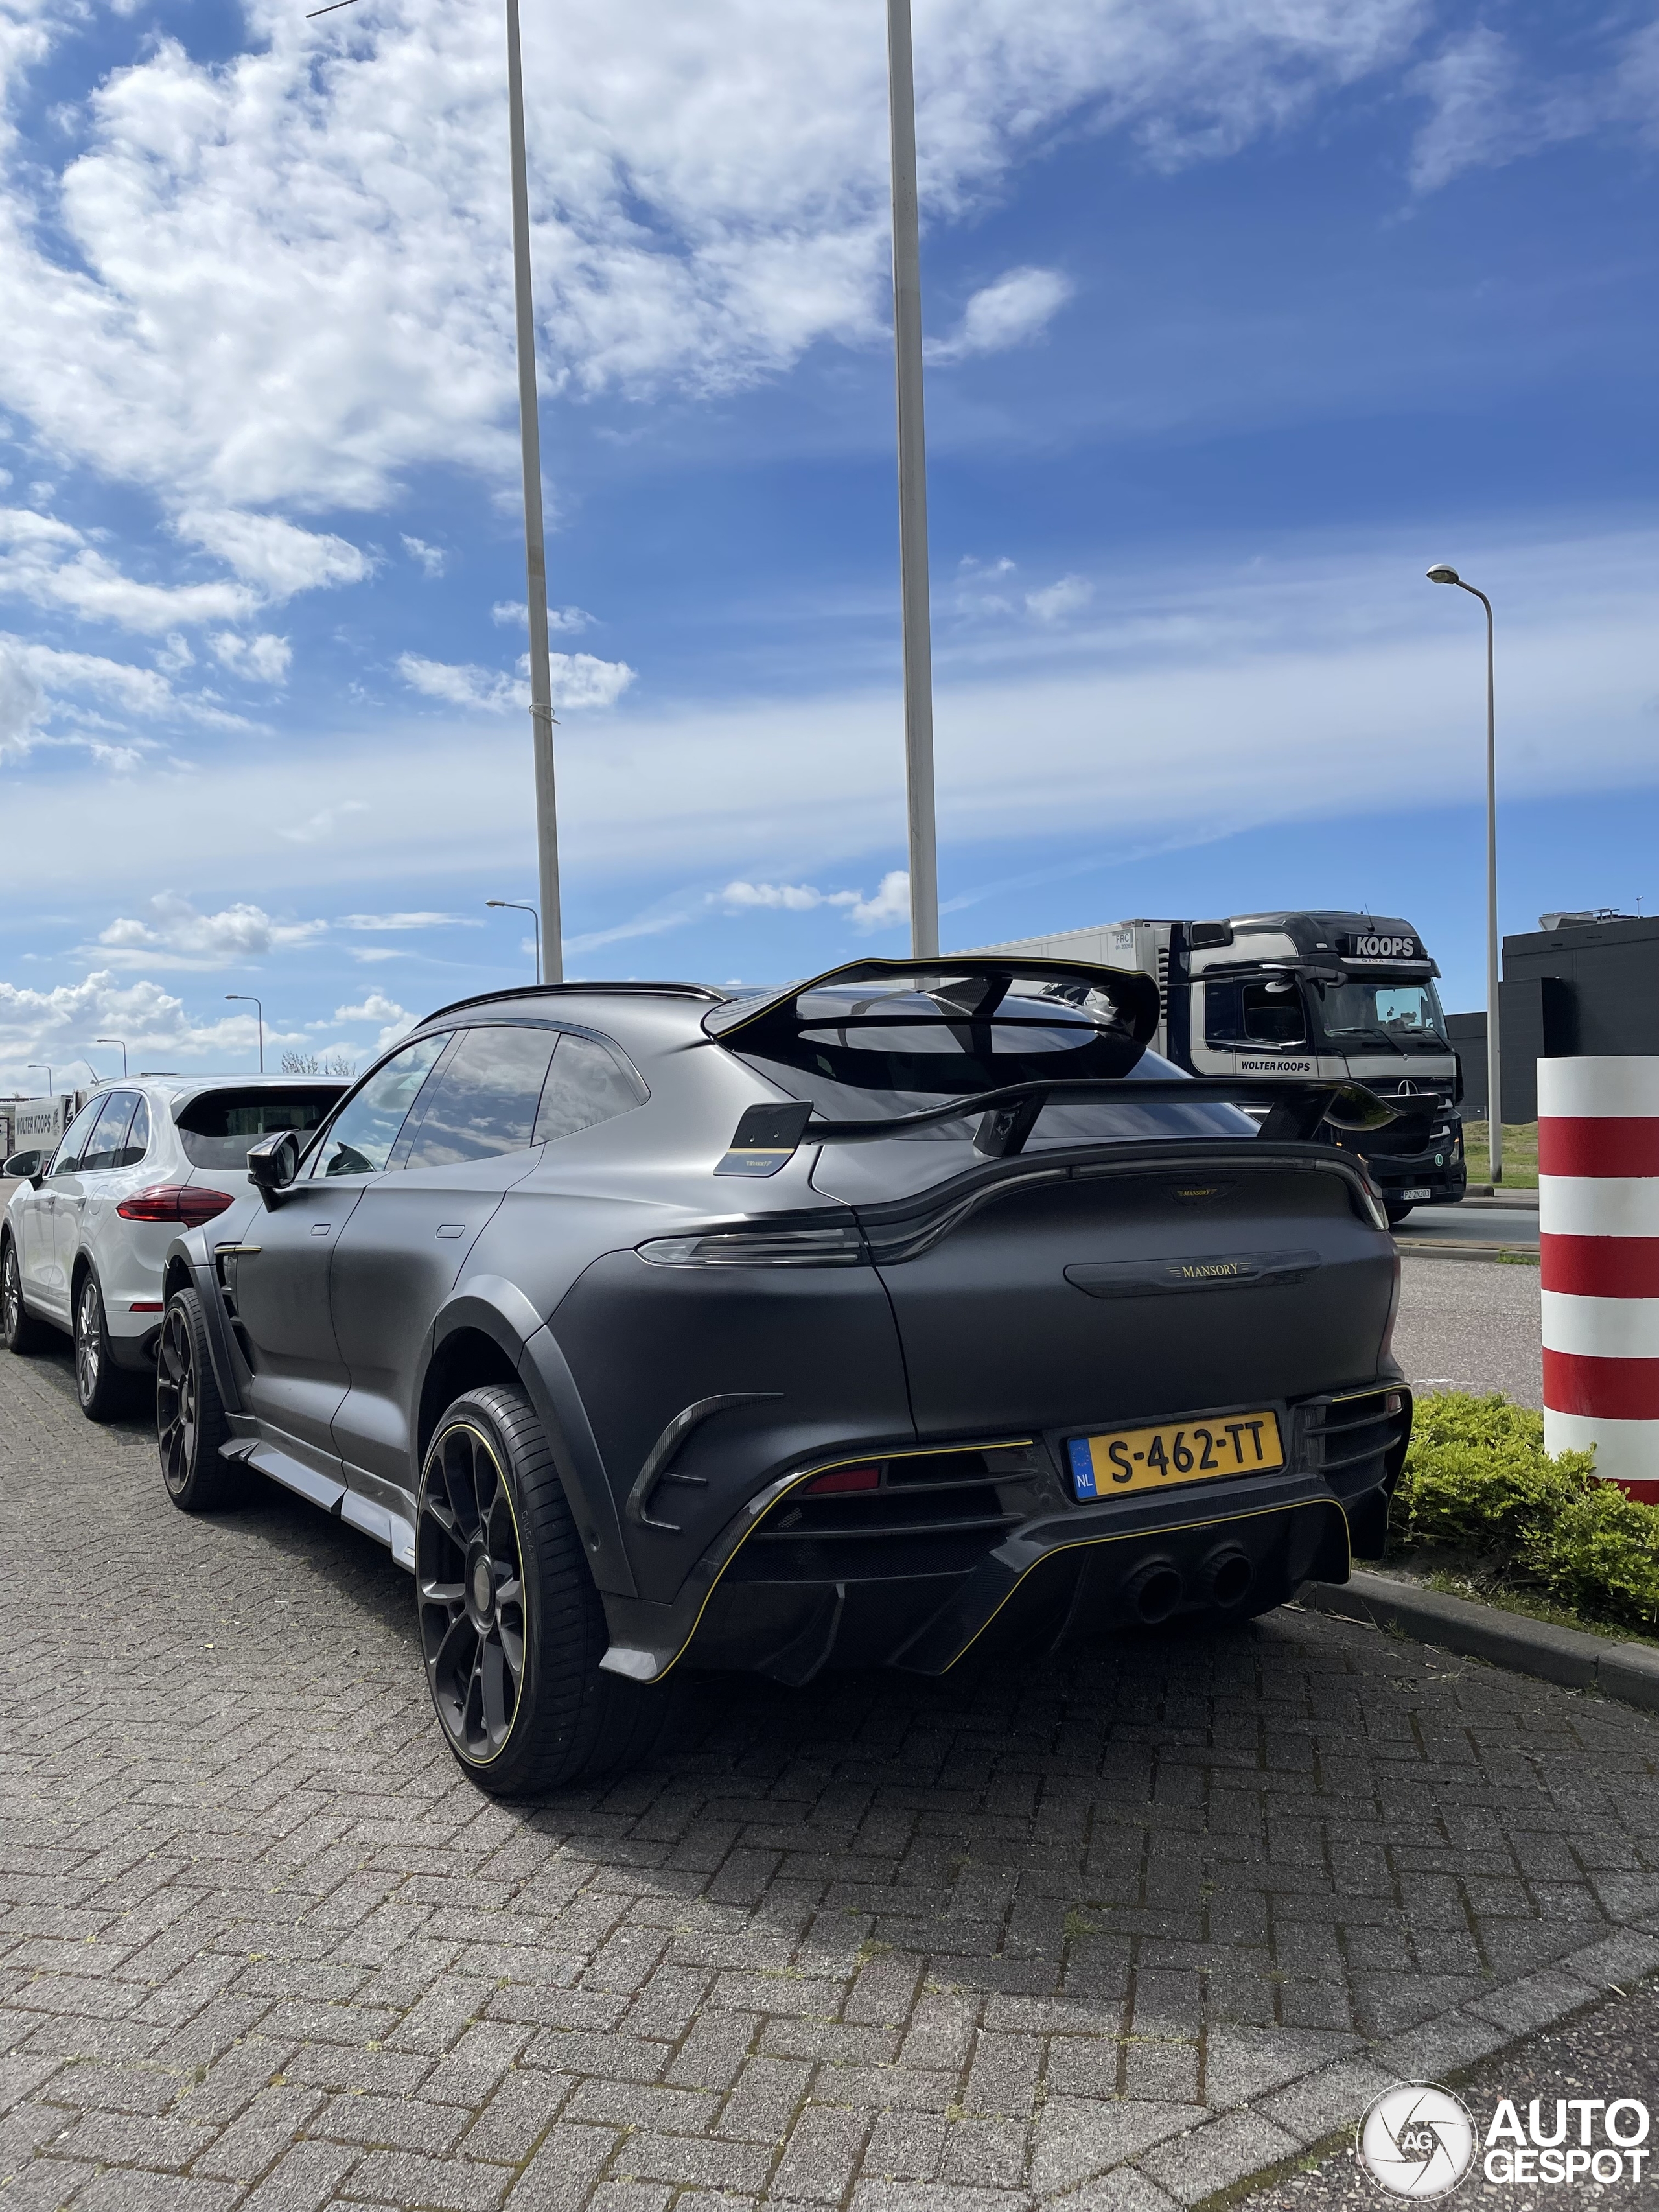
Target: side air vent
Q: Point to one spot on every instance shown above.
(923, 1513)
(1357, 1442)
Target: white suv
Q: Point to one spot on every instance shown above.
(85, 1233)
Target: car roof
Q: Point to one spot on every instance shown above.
(179, 1088)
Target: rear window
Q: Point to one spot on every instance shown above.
(217, 1128)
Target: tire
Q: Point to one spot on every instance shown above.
(1396, 1213)
(190, 1414)
(19, 1328)
(102, 1391)
(511, 1627)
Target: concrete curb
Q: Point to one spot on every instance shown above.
(1433, 1248)
(1628, 1671)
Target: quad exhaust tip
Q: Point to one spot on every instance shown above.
(1155, 1589)
(1228, 1575)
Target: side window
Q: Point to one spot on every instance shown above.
(137, 1143)
(1253, 1013)
(72, 1143)
(109, 1135)
(359, 1139)
(585, 1084)
(482, 1101)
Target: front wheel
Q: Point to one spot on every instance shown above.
(100, 1389)
(190, 1414)
(511, 1627)
(19, 1328)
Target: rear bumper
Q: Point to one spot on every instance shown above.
(791, 1601)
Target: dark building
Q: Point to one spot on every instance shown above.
(1589, 986)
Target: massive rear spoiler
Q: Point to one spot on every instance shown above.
(966, 987)
(767, 1136)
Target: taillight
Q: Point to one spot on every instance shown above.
(840, 1246)
(187, 1202)
(844, 1479)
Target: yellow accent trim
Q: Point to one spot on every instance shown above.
(1090, 1543)
(811, 1474)
(472, 1429)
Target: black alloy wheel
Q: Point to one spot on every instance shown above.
(22, 1332)
(511, 1627)
(190, 1414)
(100, 1385)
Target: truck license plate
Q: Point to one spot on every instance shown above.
(1411, 1195)
(1162, 1457)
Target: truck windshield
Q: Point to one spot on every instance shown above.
(1400, 1012)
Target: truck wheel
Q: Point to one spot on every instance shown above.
(511, 1627)
(1396, 1213)
(100, 1389)
(22, 1332)
(190, 1414)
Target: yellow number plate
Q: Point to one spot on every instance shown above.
(1159, 1458)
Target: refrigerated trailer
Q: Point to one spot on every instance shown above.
(1350, 995)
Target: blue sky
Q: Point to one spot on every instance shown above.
(1238, 318)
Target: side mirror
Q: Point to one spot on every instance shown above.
(273, 1163)
(26, 1166)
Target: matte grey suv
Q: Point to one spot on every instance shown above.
(903, 1314)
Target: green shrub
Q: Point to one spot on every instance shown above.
(1478, 1479)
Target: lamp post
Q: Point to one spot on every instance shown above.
(543, 719)
(122, 1042)
(248, 1000)
(1442, 573)
(519, 907)
(912, 489)
(43, 1065)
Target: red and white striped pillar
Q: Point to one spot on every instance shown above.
(1598, 1215)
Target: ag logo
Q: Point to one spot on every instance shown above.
(1417, 2140)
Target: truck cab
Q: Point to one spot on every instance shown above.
(1347, 995)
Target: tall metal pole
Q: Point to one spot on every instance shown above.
(535, 548)
(1494, 1057)
(1444, 573)
(912, 487)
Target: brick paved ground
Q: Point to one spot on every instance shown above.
(1109, 1933)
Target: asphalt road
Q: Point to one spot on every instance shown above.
(1470, 1325)
(1471, 1222)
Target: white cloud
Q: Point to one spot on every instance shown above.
(1056, 601)
(59, 1026)
(1188, 703)
(280, 276)
(428, 558)
(418, 921)
(567, 620)
(50, 564)
(890, 903)
(318, 829)
(263, 659)
(1016, 308)
(1485, 110)
(172, 932)
(578, 680)
(277, 555)
(394, 1019)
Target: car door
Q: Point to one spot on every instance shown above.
(83, 1215)
(468, 1140)
(278, 1275)
(46, 1285)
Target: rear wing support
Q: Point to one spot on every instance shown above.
(767, 1137)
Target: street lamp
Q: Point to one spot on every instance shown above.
(121, 1042)
(519, 907)
(912, 487)
(51, 1087)
(1442, 573)
(542, 717)
(248, 1000)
